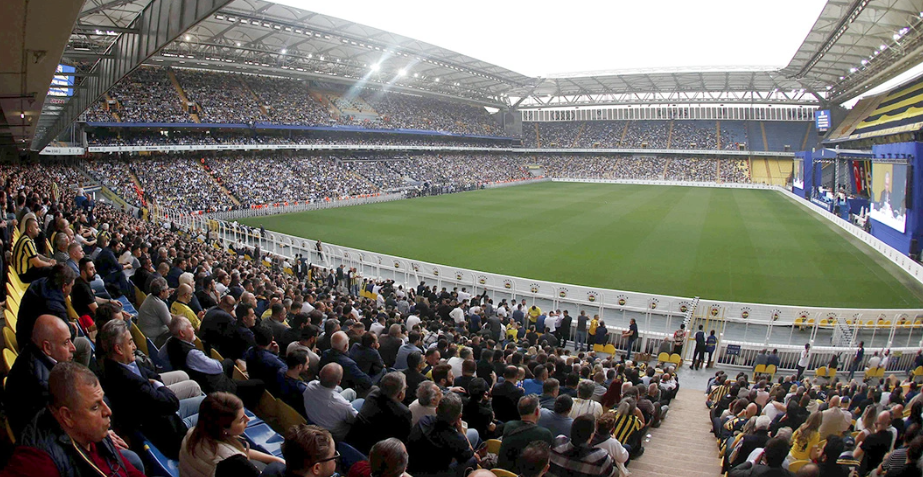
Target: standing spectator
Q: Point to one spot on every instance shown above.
(581, 334)
(631, 335)
(803, 361)
(698, 354)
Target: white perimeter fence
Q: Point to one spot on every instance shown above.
(743, 328)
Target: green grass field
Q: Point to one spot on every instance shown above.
(740, 245)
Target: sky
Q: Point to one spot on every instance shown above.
(566, 38)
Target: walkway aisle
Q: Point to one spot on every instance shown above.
(683, 445)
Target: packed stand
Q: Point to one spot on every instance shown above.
(221, 97)
(116, 175)
(400, 111)
(384, 174)
(144, 96)
(392, 379)
(818, 426)
(290, 101)
(177, 182)
(694, 135)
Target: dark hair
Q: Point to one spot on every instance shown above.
(297, 357)
(550, 385)
(582, 429)
(440, 372)
(477, 387)
(563, 403)
(533, 459)
(217, 413)
(527, 405)
(775, 451)
(305, 445)
(242, 310)
(61, 275)
(414, 359)
(388, 458)
(262, 335)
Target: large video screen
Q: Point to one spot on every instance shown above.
(798, 174)
(62, 85)
(889, 183)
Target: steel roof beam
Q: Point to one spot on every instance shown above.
(161, 22)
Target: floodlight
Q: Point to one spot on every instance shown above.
(238, 44)
(376, 67)
(402, 72)
(284, 51)
(852, 70)
(322, 57)
(437, 80)
(188, 37)
(864, 62)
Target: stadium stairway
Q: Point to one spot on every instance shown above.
(256, 98)
(670, 138)
(718, 135)
(182, 95)
(624, 133)
(579, 134)
(214, 176)
(117, 106)
(683, 444)
(763, 132)
(538, 137)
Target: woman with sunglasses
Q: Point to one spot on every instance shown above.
(216, 438)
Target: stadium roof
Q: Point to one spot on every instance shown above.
(853, 46)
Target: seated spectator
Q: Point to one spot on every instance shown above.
(326, 407)
(365, 354)
(872, 450)
(262, 360)
(46, 296)
(308, 451)
(577, 457)
(468, 367)
(83, 298)
(534, 385)
(518, 434)
(388, 458)
(604, 440)
(478, 413)
(306, 342)
(585, 404)
(629, 427)
(413, 375)
(212, 375)
(27, 263)
(291, 380)
(353, 377)
(154, 315)
(389, 344)
(27, 383)
(71, 436)
(751, 442)
(181, 307)
(414, 341)
(769, 464)
(558, 420)
(550, 390)
(506, 395)
(217, 437)
(428, 397)
(438, 444)
(161, 407)
(535, 460)
(382, 414)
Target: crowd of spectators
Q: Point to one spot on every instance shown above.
(400, 111)
(797, 425)
(406, 379)
(289, 101)
(179, 182)
(681, 134)
(295, 138)
(145, 96)
(221, 97)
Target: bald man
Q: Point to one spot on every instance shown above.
(326, 407)
(27, 385)
(874, 448)
(181, 306)
(353, 377)
(833, 421)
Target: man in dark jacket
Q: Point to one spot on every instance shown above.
(770, 465)
(564, 330)
(27, 384)
(164, 415)
(506, 395)
(382, 415)
(389, 343)
(437, 442)
(71, 437)
(45, 296)
(365, 354)
(353, 377)
(263, 362)
(519, 433)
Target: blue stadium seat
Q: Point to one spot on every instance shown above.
(158, 465)
(349, 455)
(263, 438)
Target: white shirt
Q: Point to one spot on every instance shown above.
(550, 324)
(412, 320)
(456, 363)
(884, 362)
(457, 315)
(501, 312)
(615, 450)
(874, 362)
(462, 296)
(805, 358)
(328, 409)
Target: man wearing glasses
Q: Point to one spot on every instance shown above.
(309, 451)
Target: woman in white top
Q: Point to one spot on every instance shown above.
(216, 438)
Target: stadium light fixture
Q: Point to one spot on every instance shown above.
(322, 57)
(238, 44)
(402, 72)
(284, 51)
(864, 62)
(188, 37)
(852, 70)
(376, 67)
(437, 80)
(310, 55)
(416, 75)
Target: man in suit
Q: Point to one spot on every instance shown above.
(161, 407)
(382, 415)
(389, 344)
(506, 395)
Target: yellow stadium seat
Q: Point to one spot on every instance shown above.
(599, 348)
(248, 258)
(831, 373)
(10, 319)
(140, 296)
(239, 374)
(13, 307)
(918, 372)
(771, 370)
(71, 312)
(268, 410)
(198, 344)
(12, 293)
(288, 271)
(216, 355)
(759, 369)
(610, 349)
(288, 416)
(9, 358)
(821, 371)
(799, 321)
(663, 357)
(9, 337)
(493, 446)
(824, 322)
(810, 321)
(502, 473)
(140, 340)
(676, 359)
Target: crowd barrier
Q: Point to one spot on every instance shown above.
(742, 328)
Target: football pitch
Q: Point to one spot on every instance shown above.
(754, 246)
